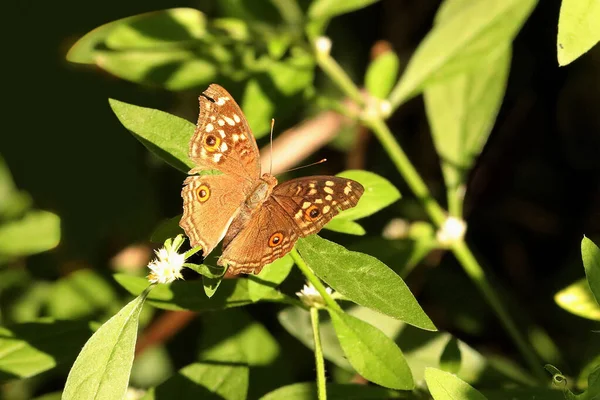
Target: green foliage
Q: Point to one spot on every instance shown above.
(446, 386)
(578, 29)
(382, 74)
(591, 261)
(308, 391)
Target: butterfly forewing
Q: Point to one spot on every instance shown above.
(313, 201)
(223, 140)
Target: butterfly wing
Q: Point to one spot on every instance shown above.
(296, 208)
(222, 139)
(210, 203)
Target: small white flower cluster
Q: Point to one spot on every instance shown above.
(452, 231)
(167, 265)
(311, 297)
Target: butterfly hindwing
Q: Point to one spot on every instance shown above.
(222, 139)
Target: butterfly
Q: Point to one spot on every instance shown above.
(257, 219)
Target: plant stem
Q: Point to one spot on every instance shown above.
(316, 282)
(320, 362)
(435, 212)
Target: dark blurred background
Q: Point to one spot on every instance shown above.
(533, 194)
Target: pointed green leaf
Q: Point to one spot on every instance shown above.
(164, 134)
(102, 369)
(345, 226)
(34, 347)
(209, 271)
(269, 278)
(381, 74)
(379, 193)
(447, 386)
(474, 29)
(35, 232)
(324, 9)
(578, 29)
(167, 228)
(211, 285)
(578, 299)
(335, 391)
(374, 356)
(591, 261)
(451, 358)
(363, 279)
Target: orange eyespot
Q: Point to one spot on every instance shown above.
(203, 193)
(312, 213)
(275, 239)
(212, 142)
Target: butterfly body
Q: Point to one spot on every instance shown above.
(257, 219)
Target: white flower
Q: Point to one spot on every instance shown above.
(167, 265)
(451, 231)
(311, 297)
(323, 45)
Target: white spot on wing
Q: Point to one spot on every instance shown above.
(236, 118)
(222, 133)
(229, 120)
(217, 157)
(326, 209)
(329, 183)
(209, 127)
(306, 204)
(329, 190)
(223, 147)
(347, 190)
(221, 122)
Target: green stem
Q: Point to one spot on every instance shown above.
(435, 212)
(320, 362)
(316, 282)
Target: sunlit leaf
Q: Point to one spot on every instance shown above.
(379, 193)
(363, 279)
(591, 261)
(454, 45)
(321, 9)
(345, 226)
(35, 232)
(102, 369)
(451, 358)
(446, 386)
(31, 348)
(578, 29)
(578, 299)
(270, 277)
(374, 356)
(164, 134)
(335, 391)
(382, 74)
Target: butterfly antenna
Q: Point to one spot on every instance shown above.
(272, 126)
(304, 166)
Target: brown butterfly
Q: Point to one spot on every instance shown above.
(258, 219)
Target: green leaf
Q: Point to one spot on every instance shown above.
(156, 29)
(204, 380)
(102, 369)
(167, 228)
(258, 108)
(447, 386)
(13, 202)
(182, 295)
(211, 285)
(461, 111)
(174, 69)
(524, 394)
(591, 261)
(36, 232)
(335, 391)
(269, 278)
(578, 29)
(450, 359)
(475, 29)
(379, 193)
(209, 271)
(325, 9)
(381, 74)
(345, 226)
(578, 299)
(164, 134)
(34, 347)
(363, 279)
(374, 356)
(81, 294)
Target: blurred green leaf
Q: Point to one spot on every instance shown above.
(335, 391)
(182, 295)
(13, 202)
(164, 134)
(269, 278)
(81, 294)
(524, 394)
(167, 228)
(381, 74)
(455, 44)
(578, 29)
(211, 284)
(102, 369)
(578, 299)
(204, 380)
(151, 367)
(258, 108)
(50, 396)
(447, 386)
(156, 29)
(591, 261)
(451, 358)
(36, 232)
(325, 9)
(582, 379)
(379, 193)
(363, 279)
(462, 110)
(34, 347)
(374, 356)
(345, 226)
